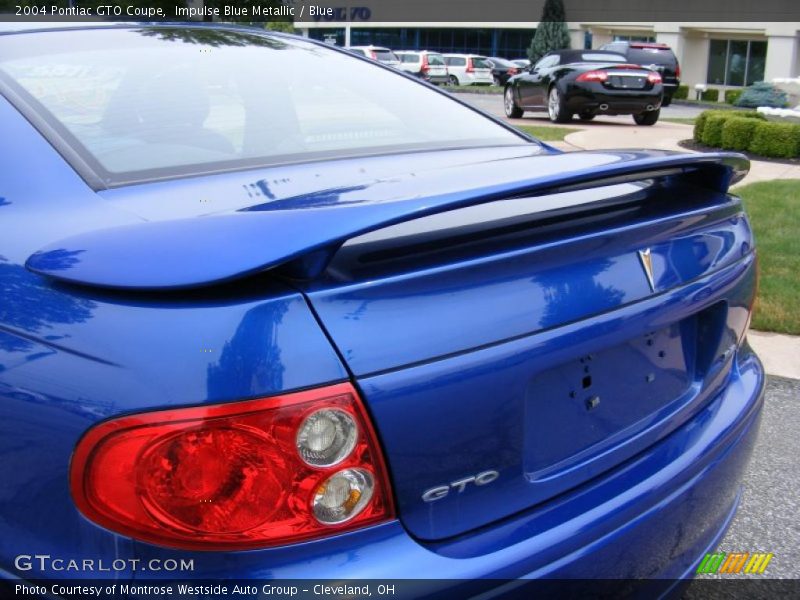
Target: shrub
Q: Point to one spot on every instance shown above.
(710, 95)
(681, 93)
(712, 132)
(762, 94)
(749, 114)
(737, 133)
(778, 140)
(731, 96)
(700, 121)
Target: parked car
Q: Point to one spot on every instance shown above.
(586, 82)
(468, 69)
(502, 69)
(426, 65)
(382, 55)
(522, 63)
(658, 57)
(293, 327)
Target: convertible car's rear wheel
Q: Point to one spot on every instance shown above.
(647, 118)
(512, 110)
(556, 107)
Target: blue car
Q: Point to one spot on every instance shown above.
(270, 311)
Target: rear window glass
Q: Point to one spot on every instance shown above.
(597, 57)
(435, 59)
(385, 56)
(141, 104)
(480, 63)
(651, 56)
(408, 58)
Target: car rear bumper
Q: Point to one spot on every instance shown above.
(623, 102)
(476, 79)
(670, 88)
(654, 517)
(437, 78)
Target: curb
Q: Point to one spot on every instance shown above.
(778, 352)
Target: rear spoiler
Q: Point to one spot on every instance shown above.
(306, 231)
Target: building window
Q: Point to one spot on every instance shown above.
(736, 62)
(634, 38)
(509, 43)
(328, 35)
(394, 39)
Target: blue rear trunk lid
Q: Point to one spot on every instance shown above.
(509, 357)
(518, 321)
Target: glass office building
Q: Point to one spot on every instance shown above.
(505, 43)
(724, 55)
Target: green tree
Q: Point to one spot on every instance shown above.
(284, 26)
(552, 33)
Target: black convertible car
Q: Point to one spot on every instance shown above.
(586, 83)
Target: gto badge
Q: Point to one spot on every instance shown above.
(440, 491)
(647, 264)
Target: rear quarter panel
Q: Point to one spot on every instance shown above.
(71, 357)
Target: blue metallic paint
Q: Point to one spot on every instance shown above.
(436, 303)
(654, 517)
(71, 357)
(163, 254)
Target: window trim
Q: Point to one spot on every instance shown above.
(56, 134)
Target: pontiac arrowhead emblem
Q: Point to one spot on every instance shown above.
(647, 265)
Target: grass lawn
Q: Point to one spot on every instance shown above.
(547, 133)
(685, 121)
(774, 209)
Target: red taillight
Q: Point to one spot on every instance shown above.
(593, 76)
(235, 476)
(653, 77)
(425, 65)
(470, 67)
(513, 71)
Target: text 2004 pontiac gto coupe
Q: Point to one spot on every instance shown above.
(289, 313)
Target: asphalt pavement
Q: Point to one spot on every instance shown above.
(768, 519)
